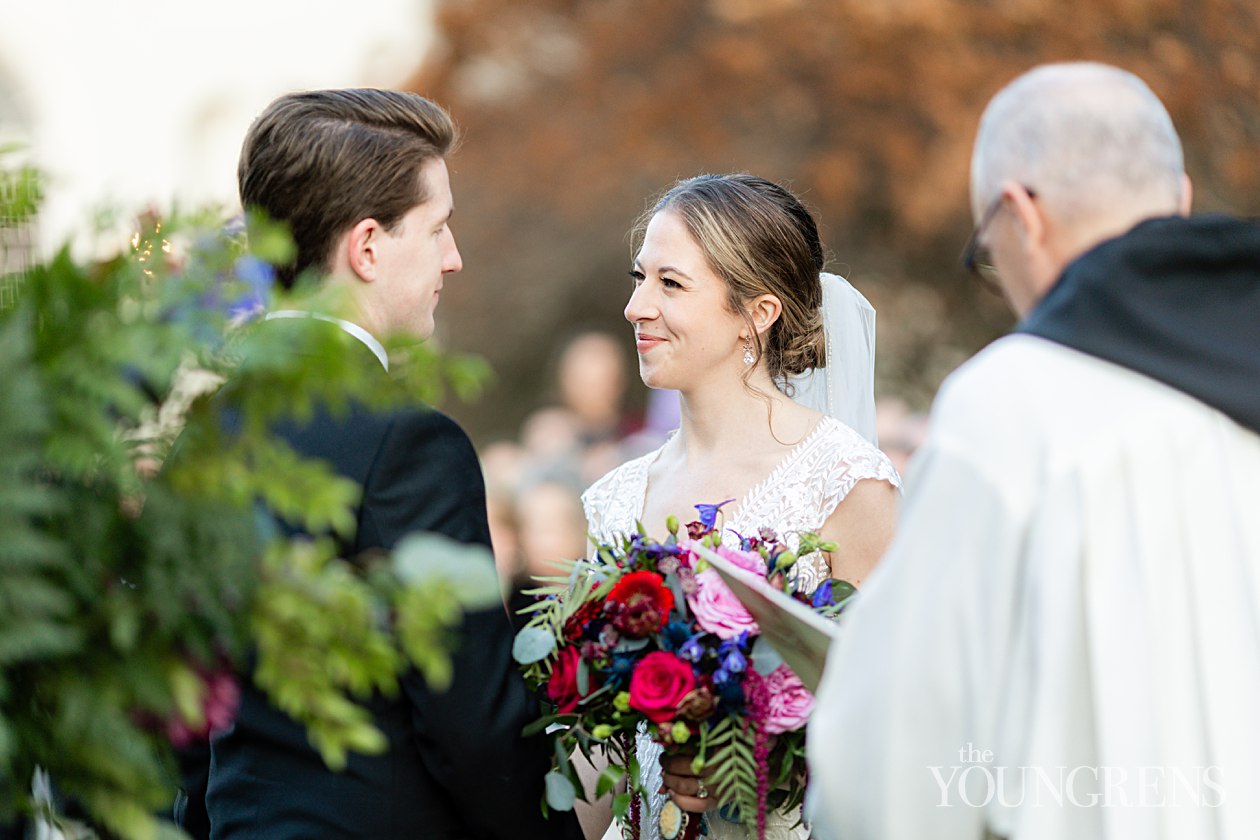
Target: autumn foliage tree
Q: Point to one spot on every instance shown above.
(576, 112)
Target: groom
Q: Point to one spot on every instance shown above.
(1062, 640)
(361, 179)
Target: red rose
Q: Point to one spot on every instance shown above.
(643, 604)
(562, 687)
(659, 683)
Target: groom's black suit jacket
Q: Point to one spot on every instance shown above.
(456, 765)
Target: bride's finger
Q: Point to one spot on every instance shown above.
(689, 786)
(692, 804)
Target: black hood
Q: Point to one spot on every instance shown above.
(1176, 299)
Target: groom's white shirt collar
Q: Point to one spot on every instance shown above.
(355, 330)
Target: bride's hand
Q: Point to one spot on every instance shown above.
(683, 785)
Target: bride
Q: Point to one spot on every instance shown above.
(729, 308)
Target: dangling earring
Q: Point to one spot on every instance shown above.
(749, 358)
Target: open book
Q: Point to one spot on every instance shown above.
(800, 635)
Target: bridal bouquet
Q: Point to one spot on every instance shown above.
(647, 634)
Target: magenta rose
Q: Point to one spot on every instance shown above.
(716, 608)
(658, 684)
(562, 687)
(790, 701)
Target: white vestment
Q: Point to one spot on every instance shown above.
(1065, 632)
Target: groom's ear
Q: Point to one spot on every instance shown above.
(362, 248)
(763, 311)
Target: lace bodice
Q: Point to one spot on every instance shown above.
(799, 495)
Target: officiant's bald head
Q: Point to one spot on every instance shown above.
(1066, 156)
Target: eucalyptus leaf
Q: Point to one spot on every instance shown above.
(626, 645)
(765, 658)
(469, 569)
(680, 597)
(533, 644)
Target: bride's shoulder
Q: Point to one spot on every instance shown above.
(840, 445)
(614, 502)
(630, 472)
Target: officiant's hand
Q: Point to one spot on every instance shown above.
(683, 786)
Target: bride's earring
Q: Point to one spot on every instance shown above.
(749, 358)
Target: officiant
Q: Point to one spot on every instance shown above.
(1064, 638)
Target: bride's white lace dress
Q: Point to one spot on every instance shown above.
(799, 495)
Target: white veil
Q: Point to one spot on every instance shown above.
(845, 388)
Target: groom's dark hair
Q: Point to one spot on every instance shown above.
(323, 160)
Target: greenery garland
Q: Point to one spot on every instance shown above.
(134, 583)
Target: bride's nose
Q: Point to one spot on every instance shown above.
(642, 304)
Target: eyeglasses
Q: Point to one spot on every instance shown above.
(975, 256)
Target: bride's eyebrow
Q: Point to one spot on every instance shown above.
(673, 270)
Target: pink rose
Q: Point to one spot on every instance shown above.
(790, 701)
(660, 682)
(716, 608)
(749, 561)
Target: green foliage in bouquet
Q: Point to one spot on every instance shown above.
(134, 580)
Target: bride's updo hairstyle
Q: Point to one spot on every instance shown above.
(760, 239)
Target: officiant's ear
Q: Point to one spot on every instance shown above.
(763, 311)
(362, 244)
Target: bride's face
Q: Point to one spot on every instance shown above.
(684, 331)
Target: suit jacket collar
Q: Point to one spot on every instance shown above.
(353, 329)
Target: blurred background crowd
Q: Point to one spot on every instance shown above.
(575, 114)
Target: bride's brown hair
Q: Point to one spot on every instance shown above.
(760, 239)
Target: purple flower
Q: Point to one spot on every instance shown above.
(646, 549)
(708, 513)
(691, 649)
(259, 277)
(257, 274)
(822, 595)
(734, 662)
(731, 653)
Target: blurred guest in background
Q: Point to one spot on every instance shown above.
(553, 528)
(533, 486)
(502, 465)
(900, 430)
(591, 380)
